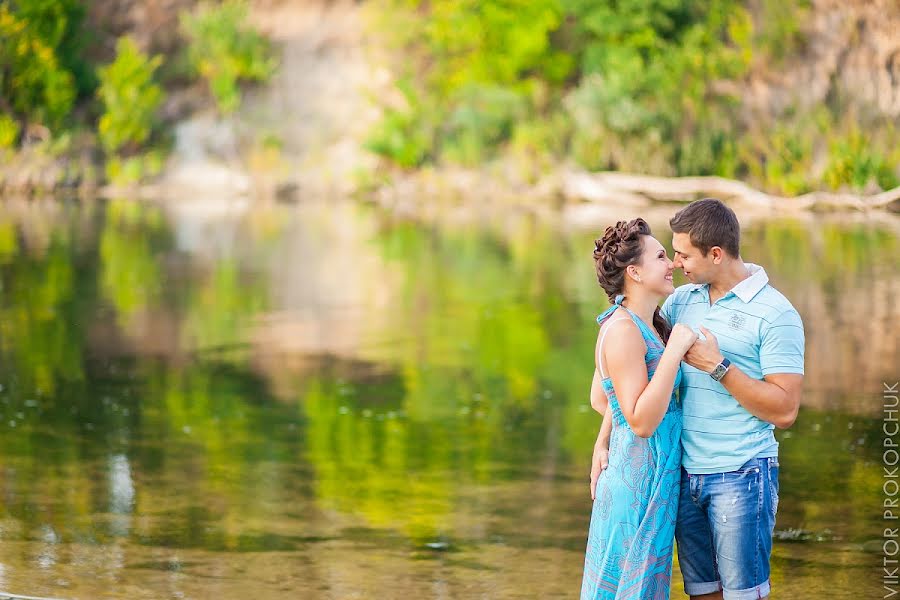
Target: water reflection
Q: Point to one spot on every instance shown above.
(326, 400)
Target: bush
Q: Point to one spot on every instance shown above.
(224, 50)
(778, 31)
(853, 163)
(482, 118)
(474, 62)
(33, 84)
(612, 131)
(9, 132)
(130, 98)
(646, 92)
(59, 26)
(781, 157)
(405, 135)
(134, 169)
(543, 138)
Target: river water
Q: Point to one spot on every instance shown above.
(329, 400)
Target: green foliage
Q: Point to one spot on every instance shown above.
(475, 42)
(653, 86)
(404, 135)
(33, 84)
(133, 169)
(782, 156)
(778, 31)
(482, 118)
(643, 71)
(475, 64)
(58, 24)
(787, 163)
(854, 163)
(548, 137)
(44, 69)
(130, 98)
(224, 50)
(9, 132)
(646, 93)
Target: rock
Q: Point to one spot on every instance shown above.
(852, 52)
(206, 178)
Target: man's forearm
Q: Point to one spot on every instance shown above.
(762, 399)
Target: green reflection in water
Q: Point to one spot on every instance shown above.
(144, 417)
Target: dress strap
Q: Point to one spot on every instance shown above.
(646, 331)
(609, 311)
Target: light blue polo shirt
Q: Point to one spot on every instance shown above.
(761, 333)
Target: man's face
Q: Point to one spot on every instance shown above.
(697, 268)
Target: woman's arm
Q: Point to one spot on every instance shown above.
(599, 400)
(644, 403)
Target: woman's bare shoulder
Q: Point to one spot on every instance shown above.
(619, 315)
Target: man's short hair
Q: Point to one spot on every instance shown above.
(709, 223)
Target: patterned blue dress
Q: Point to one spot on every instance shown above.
(632, 533)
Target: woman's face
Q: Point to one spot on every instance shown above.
(655, 268)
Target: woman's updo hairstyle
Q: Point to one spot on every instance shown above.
(622, 245)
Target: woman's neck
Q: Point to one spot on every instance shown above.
(644, 306)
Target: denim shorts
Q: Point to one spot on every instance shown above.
(724, 530)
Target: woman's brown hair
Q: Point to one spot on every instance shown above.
(622, 245)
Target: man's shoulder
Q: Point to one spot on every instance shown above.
(682, 294)
(771, 303)
(678, 300)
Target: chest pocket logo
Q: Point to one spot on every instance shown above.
(737, 321)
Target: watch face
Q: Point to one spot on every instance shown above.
(718, 372)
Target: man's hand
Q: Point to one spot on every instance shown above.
(704, 354)
(599, 462)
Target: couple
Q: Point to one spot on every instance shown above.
(690, 394)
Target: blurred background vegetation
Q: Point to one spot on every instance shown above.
(650, 86)
(61, 81)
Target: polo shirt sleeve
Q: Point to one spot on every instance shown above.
(782, 346)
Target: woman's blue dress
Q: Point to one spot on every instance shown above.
(632, 533)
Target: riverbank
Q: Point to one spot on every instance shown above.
(568, 185)
(305, 133)
(35, 174)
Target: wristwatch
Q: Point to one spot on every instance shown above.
(719, 372)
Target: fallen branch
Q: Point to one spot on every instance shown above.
(611, 185)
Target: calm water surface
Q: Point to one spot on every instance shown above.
(329, 401)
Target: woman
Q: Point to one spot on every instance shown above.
(637, 357)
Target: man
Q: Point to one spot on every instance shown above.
(741, 379)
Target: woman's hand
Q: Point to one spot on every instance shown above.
(599, 462)
(681, 339)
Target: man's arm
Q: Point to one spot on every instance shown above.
(775, 398)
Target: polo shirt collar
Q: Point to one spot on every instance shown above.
(746, 289)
